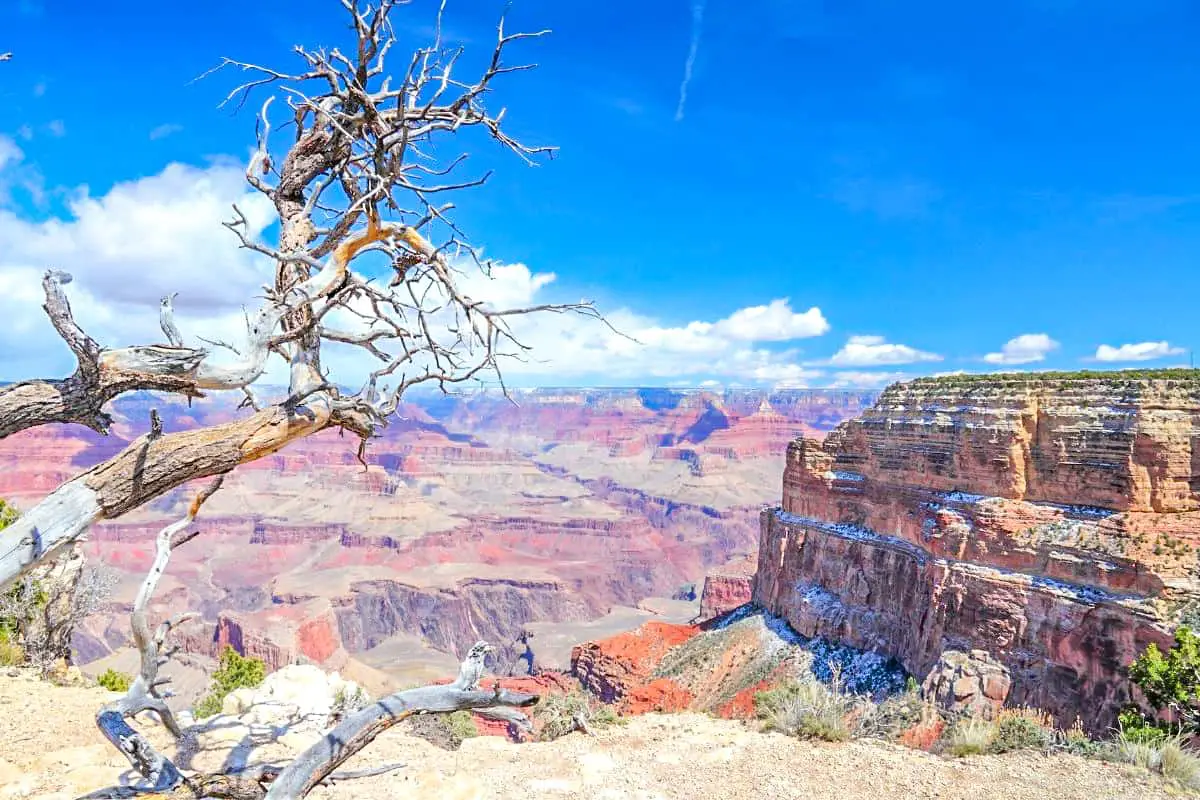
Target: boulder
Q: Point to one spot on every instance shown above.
(299, 697)
(971, 683)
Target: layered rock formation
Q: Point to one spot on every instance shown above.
(1051, 521)
(727, 587)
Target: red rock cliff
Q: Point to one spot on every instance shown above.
(1051, 522)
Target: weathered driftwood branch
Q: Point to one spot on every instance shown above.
(81, 397)
(152, 465)
(358, 730)
(145, 693)
(103, 374)
(318, 765)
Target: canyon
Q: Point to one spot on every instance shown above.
(1052, 521)
(564, 514)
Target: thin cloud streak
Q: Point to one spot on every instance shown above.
(693, 49)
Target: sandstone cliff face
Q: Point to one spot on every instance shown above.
(453, 619)
(1052, 522)
(727, 588)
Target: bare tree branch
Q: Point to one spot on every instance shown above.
(358, 730)
(144, 693)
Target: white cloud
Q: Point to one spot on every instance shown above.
(1024, 349)
(875, 351)
(9, 153)
(1142, 351)
(775, 322)
(162, 234)
(57, 127)
(164, 130)
(125, 250)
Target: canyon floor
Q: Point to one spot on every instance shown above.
(655, 757)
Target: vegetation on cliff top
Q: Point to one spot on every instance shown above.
(1122, 376)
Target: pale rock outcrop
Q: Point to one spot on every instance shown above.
(298, 697)
(971, 684)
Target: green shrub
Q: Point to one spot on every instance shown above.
(115, 681)
(895, 715)
(8, 514)
(1172, 680)
(462, 725)
(234, 671)
(1133, 726)
(1020, 732)
(11, 653)
(809, 710)
(560, 714)
(971, 737)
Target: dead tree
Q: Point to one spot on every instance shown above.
(357, 180)
(315, 766)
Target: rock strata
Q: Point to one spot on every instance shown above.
(1050, 521)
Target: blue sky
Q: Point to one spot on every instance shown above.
(937, 178)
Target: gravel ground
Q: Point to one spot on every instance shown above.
(50, 748)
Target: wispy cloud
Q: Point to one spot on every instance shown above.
(690, 63)
(1024, 349)
(865, 380)
(57, 127)
(1141, 351)
(163, 131)
(39, 89)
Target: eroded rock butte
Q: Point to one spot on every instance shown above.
(1052, 522)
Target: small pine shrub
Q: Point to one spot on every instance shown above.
(1022, 729)
(971, 737)
(115, 681)
(234, 671)
(1133, 726)
(462, 725)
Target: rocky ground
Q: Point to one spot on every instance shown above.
(50, 749)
